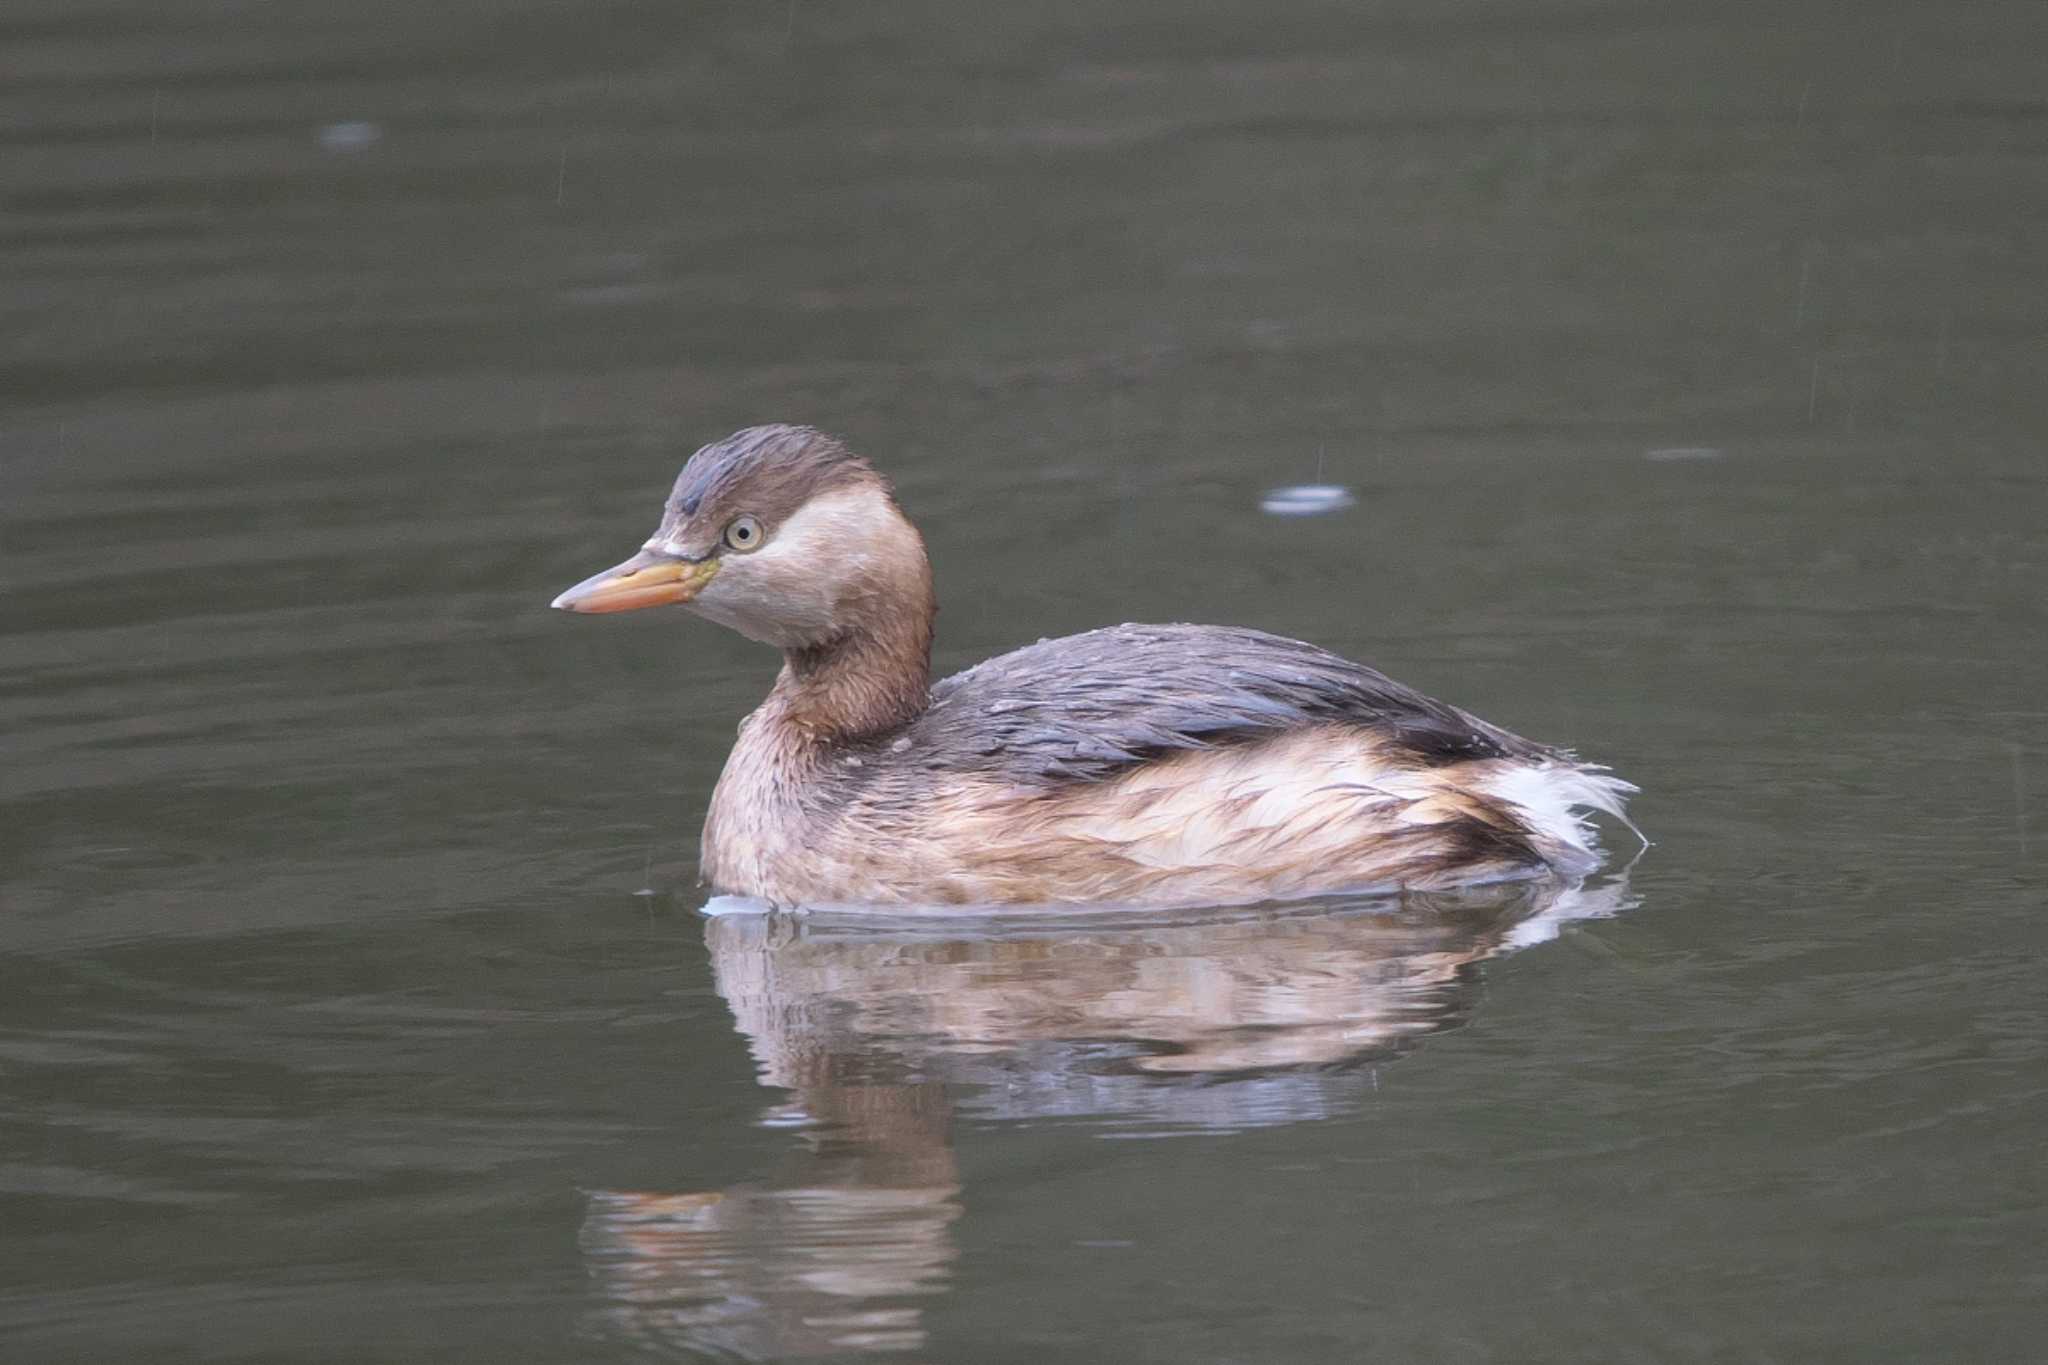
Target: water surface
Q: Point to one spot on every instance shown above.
(1683, 373)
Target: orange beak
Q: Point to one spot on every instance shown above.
(648, 579)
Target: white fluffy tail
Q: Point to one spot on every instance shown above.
(1550, 797)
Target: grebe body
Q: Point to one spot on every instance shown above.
(1132, 765)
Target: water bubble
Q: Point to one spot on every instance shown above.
(1306, 500)
(350, 138)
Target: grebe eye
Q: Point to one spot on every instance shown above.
(744, 534)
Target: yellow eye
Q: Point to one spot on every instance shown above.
(744, 534)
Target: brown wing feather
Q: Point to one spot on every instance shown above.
(1086, 707)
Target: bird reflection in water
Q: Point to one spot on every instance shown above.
(884, 1031)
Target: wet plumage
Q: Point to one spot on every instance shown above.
(1168, 764)
(1086, 707)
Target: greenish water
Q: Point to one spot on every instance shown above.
(1687, 370)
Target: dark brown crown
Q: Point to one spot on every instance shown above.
(768, 471)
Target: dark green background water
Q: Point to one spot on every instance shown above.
(1687, 363)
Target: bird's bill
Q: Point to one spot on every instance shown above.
(646, 580)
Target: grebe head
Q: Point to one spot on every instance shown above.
(786, 536)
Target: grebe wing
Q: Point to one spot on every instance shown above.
(1084, 707)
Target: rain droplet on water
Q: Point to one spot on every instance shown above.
(349, 138)
(1306, 500)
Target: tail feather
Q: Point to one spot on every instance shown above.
(1550, 797)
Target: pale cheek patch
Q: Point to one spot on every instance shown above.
(787, 592)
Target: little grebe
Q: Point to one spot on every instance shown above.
(1143, 765)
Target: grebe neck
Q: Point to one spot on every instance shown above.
(871, 678)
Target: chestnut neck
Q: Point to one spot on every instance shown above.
(873, 677)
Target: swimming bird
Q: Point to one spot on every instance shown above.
(1140, 765)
